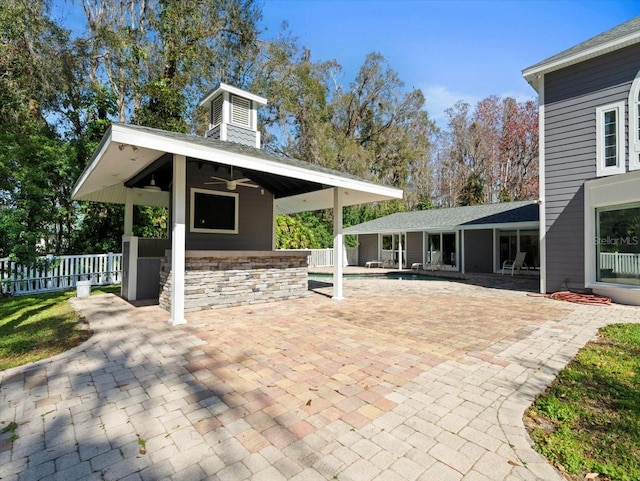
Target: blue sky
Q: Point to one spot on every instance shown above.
(452, 50)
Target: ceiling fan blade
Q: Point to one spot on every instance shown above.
(244, 184)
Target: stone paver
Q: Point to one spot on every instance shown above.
(402, 380)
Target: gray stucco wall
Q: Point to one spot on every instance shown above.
(414, 248)
(148, 247)
(124, 283)
(367, 248)
(255, 230)
(571, 97)
(478, 250)
(148, 285)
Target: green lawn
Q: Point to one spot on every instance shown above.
(35, 327)
(588, 421)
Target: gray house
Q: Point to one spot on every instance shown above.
(589, 97)
(467, 239)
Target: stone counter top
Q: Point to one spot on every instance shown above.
(219, 253)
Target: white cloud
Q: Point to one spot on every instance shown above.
(439, 98)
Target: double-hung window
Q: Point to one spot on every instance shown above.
(610, 139)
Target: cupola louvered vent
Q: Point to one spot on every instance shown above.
(233, 115)
(240, 111)
(216, 111)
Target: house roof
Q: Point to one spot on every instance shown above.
(222, 87)
(468, 217)
(618, 37)
(128, 155)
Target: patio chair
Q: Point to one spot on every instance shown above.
(376, 263)
(517, 263)
(435, 262)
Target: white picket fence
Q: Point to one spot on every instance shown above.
(324, 257)
(620, 263)
(57, 273)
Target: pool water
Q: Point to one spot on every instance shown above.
(390, 275)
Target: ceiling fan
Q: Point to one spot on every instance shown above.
(232, 183)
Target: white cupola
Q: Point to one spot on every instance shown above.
(233, 115)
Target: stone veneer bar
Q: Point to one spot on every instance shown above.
(232, 278)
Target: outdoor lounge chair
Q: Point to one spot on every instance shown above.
(517, 263)
(371, 264)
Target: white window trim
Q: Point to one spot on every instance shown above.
(601, 170)
(634, 138)
(192, 209)
(611, 192)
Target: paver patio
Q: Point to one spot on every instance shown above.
(404, 380)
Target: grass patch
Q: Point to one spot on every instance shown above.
(34, 327)
(588, 421)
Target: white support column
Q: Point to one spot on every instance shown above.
(495, 245)
(178, 252)
(400, 260)
(132, 264)
(461, 258)
(337, 244)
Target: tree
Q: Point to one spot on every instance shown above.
(519, 150)
(293, 233)
(490, 154)
(373, 128)
(36, 161)
(158, 56)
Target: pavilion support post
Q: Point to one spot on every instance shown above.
(178, 240)
(461, 255)
(338, 244)
(128, 288)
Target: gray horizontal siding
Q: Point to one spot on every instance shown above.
(565, 244)
(255, 217)
(478, 251)
(367, 248)
(601, 73)
(577, 104)
(559, 185)
(414, 248)
(571, 98)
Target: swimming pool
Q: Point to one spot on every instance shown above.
(406, 276)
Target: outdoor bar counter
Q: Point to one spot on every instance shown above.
(224, 278)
